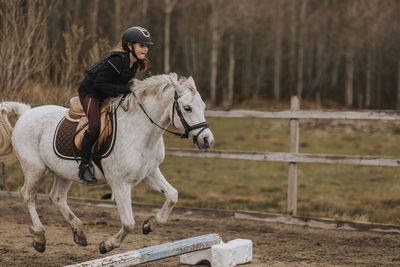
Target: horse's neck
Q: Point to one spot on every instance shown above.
(135, 119)
(157, 109)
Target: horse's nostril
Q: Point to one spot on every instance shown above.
(205, 139)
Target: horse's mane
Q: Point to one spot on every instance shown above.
(155, 86)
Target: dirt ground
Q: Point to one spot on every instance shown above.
(273, 244)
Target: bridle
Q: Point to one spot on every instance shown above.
(188, 128)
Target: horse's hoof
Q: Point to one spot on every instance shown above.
(146, 229)
(39, 247)
(80, 240)
(102, 248)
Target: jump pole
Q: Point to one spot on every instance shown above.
(154, 253)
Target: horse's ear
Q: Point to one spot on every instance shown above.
(175, 82)
(173, 76)
(191, 82)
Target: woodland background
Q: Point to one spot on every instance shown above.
(332, 53)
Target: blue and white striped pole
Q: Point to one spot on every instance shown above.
(155, 252)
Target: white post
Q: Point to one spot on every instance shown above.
(294, 148)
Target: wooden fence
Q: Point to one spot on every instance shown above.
(294, 156)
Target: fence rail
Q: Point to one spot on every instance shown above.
(294, 157)
(389, 115)
(287, 157)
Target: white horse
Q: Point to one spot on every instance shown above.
(136, 156)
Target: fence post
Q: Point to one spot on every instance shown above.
(294, 148)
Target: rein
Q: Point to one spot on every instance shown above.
(175, 107)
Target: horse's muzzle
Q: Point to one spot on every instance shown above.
(205, 139)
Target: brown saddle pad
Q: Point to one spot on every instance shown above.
(65, 146)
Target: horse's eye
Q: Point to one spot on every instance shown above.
(187, 108)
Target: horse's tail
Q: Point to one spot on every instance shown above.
(6, 149)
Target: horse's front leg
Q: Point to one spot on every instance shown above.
(122, 196)
(157, 181)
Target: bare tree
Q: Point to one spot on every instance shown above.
(398, 86)
(169, 6)
(231, 70)
(328, 51)
(368, 74)
(145, 6)
(72, 73)
(278, 50)
(320, 61)
(349, 76)
(300, 60)
(94, 18)
(117, 20)
(24, 52)
(216, 6)
(293, 44)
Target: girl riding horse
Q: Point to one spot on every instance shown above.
(109, 78)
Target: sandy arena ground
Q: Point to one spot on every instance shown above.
(273, 244)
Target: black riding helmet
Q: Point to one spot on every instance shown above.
(135, 35)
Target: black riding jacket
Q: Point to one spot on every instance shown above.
(111, 80)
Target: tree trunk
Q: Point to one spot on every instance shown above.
(214, 53)
(169, 6)
(398, 86)
(144, 12)
(300, 72)
(349, 77)
(246, 66)
(293, 47)
(318, 99)
(76, 19)
(117, 20)
(231, 71)
(94, 20)
(322, 60)
(166, 39)
(368, 86)
(300, 61)
(278, 53)
(379, 75)
(260, 76)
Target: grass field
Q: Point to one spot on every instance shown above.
(325, 190)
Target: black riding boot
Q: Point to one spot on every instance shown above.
(85, 173)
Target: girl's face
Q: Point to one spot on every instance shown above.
(141, 50)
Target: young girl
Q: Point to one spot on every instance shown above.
(110, 80)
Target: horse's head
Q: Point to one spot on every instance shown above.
(187, 113)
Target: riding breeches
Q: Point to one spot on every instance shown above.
(91, 106)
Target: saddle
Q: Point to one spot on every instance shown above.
(67, 140)
(76, 112)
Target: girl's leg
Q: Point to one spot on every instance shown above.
(91, 107)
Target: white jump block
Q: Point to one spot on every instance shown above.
(238, 251)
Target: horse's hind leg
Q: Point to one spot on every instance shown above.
(58, 195)
(157, 181)
(33, 174)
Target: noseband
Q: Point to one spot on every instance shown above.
(175, 107)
